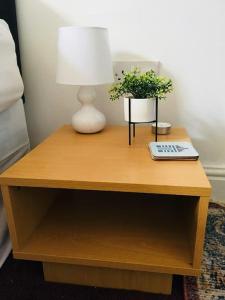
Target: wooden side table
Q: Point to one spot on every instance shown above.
(98, 212)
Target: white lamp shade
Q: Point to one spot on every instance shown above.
(84, 56)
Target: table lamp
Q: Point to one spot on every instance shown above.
(84, 59)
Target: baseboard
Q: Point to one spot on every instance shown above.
(215, 171)
(216, 175)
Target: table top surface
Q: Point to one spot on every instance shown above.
(105, 161)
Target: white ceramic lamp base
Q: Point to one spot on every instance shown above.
(88, 119)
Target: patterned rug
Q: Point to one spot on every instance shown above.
(210, 285)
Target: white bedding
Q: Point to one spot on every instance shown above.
(13, 130)
(11, 84)
(14, 141)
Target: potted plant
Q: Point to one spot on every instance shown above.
(142, 88)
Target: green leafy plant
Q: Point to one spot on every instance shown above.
(141, 85)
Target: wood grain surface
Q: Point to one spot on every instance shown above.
(116, 230)
(104, 161)
(110, 278)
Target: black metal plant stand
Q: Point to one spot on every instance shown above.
(134, 123)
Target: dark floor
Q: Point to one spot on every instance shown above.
(23, 280)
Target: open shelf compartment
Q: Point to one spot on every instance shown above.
(129, 231)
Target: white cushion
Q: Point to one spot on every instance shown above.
(11, 84)
(13, 130)
(14, 141)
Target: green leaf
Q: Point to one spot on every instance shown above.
(141, 85)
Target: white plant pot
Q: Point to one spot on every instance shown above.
(142, 110)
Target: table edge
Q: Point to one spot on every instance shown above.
(108, 186)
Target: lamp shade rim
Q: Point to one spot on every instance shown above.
(82, 27)
(83, 84)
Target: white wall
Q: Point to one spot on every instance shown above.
(187, 37)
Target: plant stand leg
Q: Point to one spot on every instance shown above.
(133, 129)
(156, 112)
(129, 113)
(129, 133)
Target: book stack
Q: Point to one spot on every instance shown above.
(173, 151)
